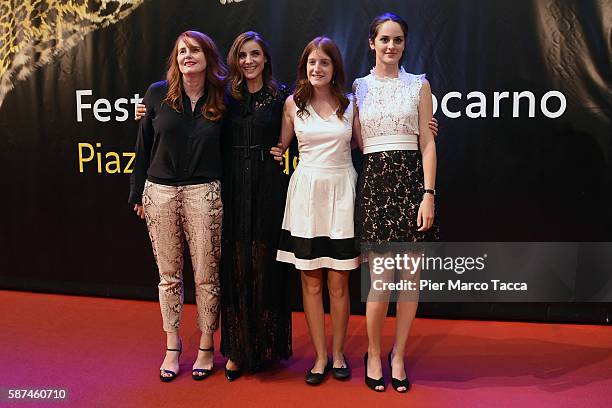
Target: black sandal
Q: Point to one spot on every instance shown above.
(232, 375)
(199, 374)
(172, 375)
(395, 383)
(371, 382)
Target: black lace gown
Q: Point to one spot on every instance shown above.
(255, 313)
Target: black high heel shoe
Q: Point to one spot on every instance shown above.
(342, 373)
(232, 375)
(317, 378)
(395, 383)
(172, 375)
(199, 374)
(371, 382)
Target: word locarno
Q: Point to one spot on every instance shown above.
(104, 110)
(478, 107)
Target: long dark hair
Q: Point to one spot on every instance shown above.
(383, 18)
(214, 107)
(304, 90)
(236, 77)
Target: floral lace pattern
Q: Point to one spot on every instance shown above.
(388, 106)
(389, 193)
(253, 102)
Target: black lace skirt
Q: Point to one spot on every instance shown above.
(389, 191)
(255, 311)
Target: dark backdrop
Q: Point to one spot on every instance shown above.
(500, 178)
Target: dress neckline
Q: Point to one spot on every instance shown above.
(251, 100)
(377, 77)
(334, 113)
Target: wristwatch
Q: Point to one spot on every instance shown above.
(429, 191)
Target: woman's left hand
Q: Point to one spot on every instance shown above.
(425, 216)
(277, 153)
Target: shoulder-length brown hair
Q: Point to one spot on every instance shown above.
(304, 90)
(236, 77)
(216, 73)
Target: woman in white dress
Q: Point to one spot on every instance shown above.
(318, 225)
(395, 199)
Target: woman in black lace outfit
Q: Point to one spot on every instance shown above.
(255, 315)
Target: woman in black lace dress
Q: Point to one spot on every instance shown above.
(255, 314)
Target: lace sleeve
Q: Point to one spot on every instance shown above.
(358, 92)
(419, 79)
(414, 83)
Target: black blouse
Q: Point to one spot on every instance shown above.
(174, 148)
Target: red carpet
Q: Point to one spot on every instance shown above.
(106, 352)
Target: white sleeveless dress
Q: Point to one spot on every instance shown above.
(317, 230)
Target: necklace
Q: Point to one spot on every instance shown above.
(194, 101)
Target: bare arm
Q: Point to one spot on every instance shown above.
(427, 145)
(356, 123)
(287, 131)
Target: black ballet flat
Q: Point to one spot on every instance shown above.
(172, 375)
(371, 382)
(317, 378)
(342, 373)
(232, 375)
(395, 383)
(199, 374)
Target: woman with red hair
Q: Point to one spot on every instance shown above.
(175, 187)
(317, 231)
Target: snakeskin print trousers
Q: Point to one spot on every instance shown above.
(176, 215)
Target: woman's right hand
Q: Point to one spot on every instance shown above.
(140, 112)
(139, 210)
(433, 126)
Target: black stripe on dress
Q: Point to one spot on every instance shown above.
(317, 247)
